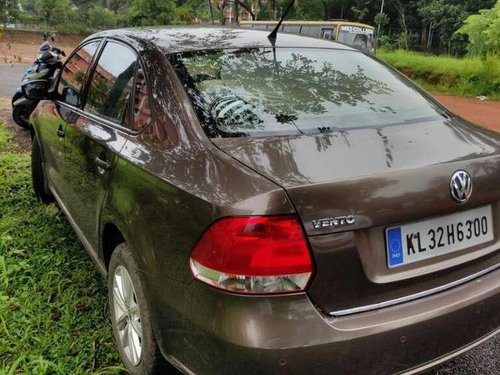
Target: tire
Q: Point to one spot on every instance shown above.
(135, 324)
(17, 95)
(39, 181)
(21, 115)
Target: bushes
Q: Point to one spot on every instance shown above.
(483, 30)
(468, 76)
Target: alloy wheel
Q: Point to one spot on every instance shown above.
(127, 315)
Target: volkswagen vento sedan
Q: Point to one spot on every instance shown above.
(256, 208)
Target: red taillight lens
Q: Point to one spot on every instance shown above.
(267, 254)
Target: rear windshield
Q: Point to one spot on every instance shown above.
(286, 91)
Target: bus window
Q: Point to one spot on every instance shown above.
(310, 30)
(259, 27)
(292, 29)
(361, 38)
(327, 33)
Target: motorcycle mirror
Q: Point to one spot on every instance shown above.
(36, 89)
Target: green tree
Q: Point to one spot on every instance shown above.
(151, 12)
(53, 12)
(9, 11)
(309, 10)
(100, 18)
(483, 30)
(29, 6)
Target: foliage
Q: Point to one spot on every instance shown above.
(53, 12)
(151, 12)
(483, 30)
(101, 18)
(53, 308)
(9, 11)
(465, 76)
(408, 24)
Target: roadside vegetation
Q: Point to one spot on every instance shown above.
(478, 74)
(53, 307)
(470, 76)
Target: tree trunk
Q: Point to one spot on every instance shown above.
(402, 21)
(236, 12)
(423, 40)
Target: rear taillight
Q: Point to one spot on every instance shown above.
(260, 254)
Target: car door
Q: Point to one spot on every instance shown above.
(93, 141)
(54, 115)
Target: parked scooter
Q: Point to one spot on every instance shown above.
(44, 67)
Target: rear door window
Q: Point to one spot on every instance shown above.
(74, 73)
(112, 82)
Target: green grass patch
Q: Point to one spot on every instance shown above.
(466, 76)
(54, 317)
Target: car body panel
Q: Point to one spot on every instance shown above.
(52, 144)
(394, 182)
(87, 183)
(287, 334)
(169, 182)
(387, 166)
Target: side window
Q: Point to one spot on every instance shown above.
(327, 33)
(112, 82)
(74, 72)
(141, 109)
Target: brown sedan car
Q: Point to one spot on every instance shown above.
(298, 208)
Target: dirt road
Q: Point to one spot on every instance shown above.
(22, 47)
(485, 113)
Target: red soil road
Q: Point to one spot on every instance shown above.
(484, 113)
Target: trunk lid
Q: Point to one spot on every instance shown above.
(378, 178)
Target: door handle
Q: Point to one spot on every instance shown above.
(60, 132)
(102, 165)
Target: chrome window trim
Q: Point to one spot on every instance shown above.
(96, 118)
(415, 296)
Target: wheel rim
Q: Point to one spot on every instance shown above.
(127, 315)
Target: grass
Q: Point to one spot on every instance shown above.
(53, 306)
(466, 76)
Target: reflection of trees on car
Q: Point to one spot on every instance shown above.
(108, 96)
(97, 92)
(235, 90)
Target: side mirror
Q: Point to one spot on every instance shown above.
(36, 89)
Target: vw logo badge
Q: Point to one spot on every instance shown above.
(461, 186)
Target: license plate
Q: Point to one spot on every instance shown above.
(426, 239)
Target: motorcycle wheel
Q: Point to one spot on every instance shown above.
(17, 95)
(21, 115)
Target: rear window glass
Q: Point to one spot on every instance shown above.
(259, 92)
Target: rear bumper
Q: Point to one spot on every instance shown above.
(208, 332)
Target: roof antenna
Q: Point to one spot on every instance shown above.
(274, 33)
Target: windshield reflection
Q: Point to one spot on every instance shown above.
(283, 91)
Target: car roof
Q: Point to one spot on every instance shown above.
(172, 39)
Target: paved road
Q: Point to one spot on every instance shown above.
(10, 77)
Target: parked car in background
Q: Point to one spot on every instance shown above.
(358, 35)
(262, 208)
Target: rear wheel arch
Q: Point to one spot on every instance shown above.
(111, 237)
